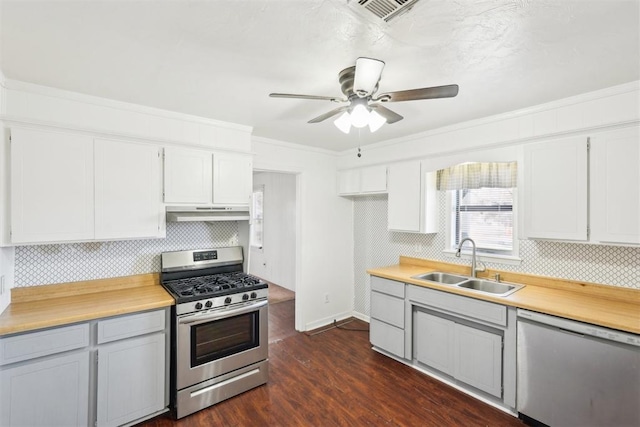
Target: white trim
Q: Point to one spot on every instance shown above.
(328, 320)
(293, 146)
(163, 142)
(585, 97)
(361, 316)
(119, 105)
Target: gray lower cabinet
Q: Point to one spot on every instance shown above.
(470, 355)
(131, 379)
(50, 392)
(107, 372)
(386, 327)
(466, 341)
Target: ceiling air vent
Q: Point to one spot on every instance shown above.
(385, 9)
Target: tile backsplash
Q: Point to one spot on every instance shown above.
(375, 246)
(46, 264)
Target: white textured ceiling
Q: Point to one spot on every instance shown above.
(221, 58)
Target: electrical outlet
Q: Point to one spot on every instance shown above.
(2, 284)
(326, 298)
(417, 248)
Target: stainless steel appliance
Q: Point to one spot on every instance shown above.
(576, 374)
(219, 330)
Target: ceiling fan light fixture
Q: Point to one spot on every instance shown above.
(375, 121)
(343, 122)
(360, 116)
(367, 75)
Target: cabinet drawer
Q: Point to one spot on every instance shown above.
(386, 286)
(387, 309)
(387, 337)
(37, 344)
(130, 326)
(460, 305)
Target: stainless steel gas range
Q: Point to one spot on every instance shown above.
(219, 342)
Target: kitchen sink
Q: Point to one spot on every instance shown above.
(439, 277)
(489, 287)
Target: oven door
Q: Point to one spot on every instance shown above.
(216, 342)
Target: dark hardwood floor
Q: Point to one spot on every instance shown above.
(335, 379)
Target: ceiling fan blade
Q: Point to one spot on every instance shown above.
(391, 116)
(331, 113)
(314, 97)
(448, 91)
(367, 75)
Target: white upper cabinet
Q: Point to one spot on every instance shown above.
(187, 176)
(368, 180)
(555, 189)
(204, 177)
(615, 186)
(412, 198)
(232, 178)
(127, 190)
(51, 186)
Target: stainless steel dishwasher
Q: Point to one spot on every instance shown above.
(576, 374)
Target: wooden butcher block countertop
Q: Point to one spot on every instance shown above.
(39, 307)
(608, 306)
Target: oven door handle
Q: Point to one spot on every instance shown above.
(206, 317)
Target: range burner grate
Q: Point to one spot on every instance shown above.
(212, 284)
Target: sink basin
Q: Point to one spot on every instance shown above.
(489, 287)
(439, 277)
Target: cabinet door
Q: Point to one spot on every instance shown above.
(232, 179)
(373, 179)
(434, 342)
(51, 186)
(349, 182)
(404, 188)
(131, 379)
(478, 358)
(187, 176)
(615, 187)
(555, 189)
(127, 182)
(54, 392)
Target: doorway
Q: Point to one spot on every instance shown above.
(273, 246)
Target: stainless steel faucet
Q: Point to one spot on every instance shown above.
(474, 268)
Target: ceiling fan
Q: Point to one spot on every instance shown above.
(359, 84)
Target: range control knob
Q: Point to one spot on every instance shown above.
(254, 295)
(208, 304)
(245, 297)
(198, 306)
(227, 300)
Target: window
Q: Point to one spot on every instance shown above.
(257, 218)
(486, 216)
(481, 200)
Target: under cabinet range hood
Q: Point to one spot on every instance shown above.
(207, 213)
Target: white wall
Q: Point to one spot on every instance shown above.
(590, 112)
(6, 276)
(325, 231)
(276, 261)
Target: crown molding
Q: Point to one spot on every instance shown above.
(120, 105)
(564, 102)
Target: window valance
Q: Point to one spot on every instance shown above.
(478, 175)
